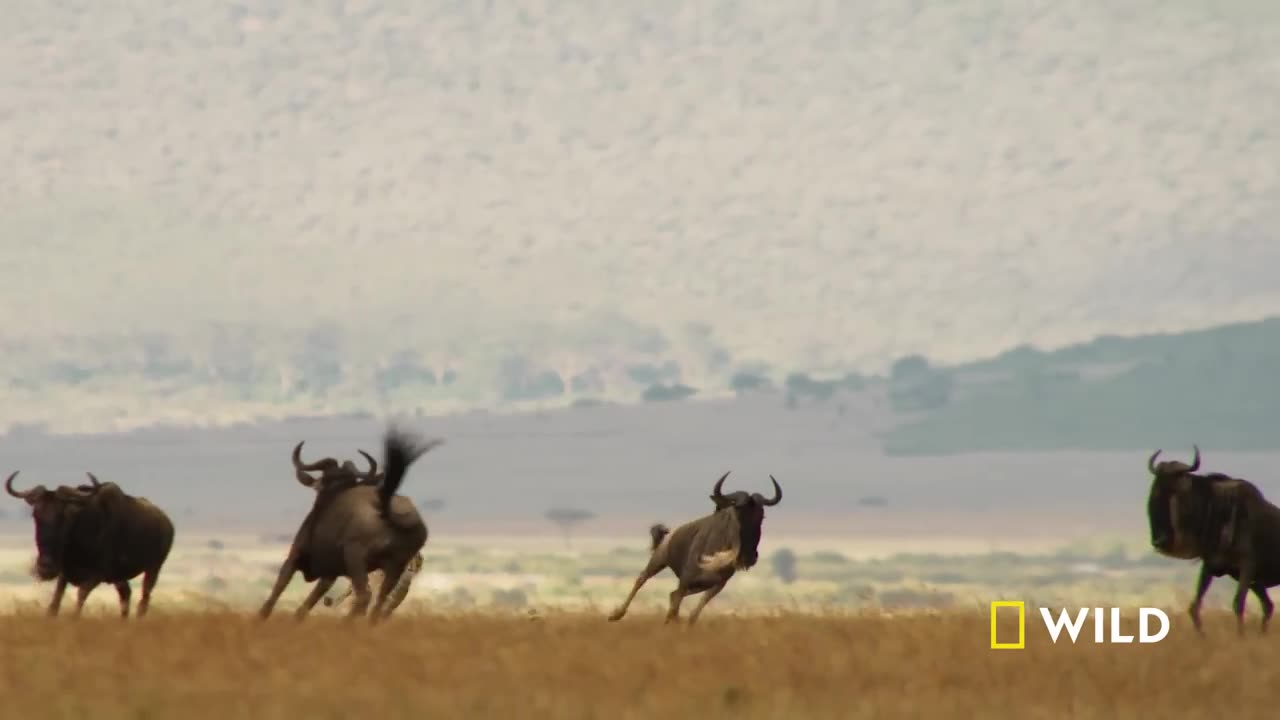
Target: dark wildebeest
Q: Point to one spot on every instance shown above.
(705, 553)
(94, 534)
(356, 524)
(1224, 522)
(332, 472)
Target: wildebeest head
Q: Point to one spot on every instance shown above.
(54, 513)
(333, 473)
(1170, 505)
(748, 509)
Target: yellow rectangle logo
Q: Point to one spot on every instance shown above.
(1022, 624)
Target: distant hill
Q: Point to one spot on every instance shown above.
(1216, 387)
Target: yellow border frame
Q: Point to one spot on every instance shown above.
(1022, 624)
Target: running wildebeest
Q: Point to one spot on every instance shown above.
(94, 534)
(331, 472)
(705, 553)
(354, 527)
(1224, 522)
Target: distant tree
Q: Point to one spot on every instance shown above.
(747, 382)
(784, 565)
(215, 544)
(872, 501)
(801, 385)
(909, 367)
(568, 519)
(432, 505)
(666, 393)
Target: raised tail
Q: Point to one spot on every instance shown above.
(399, 450)
(658, 532)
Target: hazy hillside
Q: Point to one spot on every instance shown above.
(213, 211)
(1215, 387)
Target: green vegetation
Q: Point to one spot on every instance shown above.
(1214, 387)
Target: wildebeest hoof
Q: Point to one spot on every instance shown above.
(615, 616)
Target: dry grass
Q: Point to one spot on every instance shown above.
(195, 665)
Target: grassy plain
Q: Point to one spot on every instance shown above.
(573, 665)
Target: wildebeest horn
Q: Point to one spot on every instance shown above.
(777, 493)
(715, 491)
(372, 474)
(304, 478)
(297, 460)
(1151, 462)
(1195, 464)
(8, 485)
(93, 480)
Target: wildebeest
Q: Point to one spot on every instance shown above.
(1224, 522)
(355, 526)
(94, 534)
(398, 593)
(705, 553)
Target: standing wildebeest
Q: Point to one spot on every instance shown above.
(94, 534)
(1224, 522)
(705, 553)
(354, 527)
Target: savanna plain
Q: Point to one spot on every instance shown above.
(197, 664)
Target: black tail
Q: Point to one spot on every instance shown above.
(657, 532)
(399, 450)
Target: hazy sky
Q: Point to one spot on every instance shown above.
(820, 181)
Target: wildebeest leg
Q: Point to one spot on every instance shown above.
(55, 602)
(317, 592)
(390, 578)
(1242, 594)
(1202, 587)
(287, 570)
(677, 596)
(125, 592)
(358, 572)
(330, 601)
(644, 577)
(1267, 605)
(706, 598)
(149, 580)
(399, 593)
(82, 594)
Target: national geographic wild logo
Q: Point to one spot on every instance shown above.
(1106, 625)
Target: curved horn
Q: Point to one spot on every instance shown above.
(777, 493)
(304, 478)
(93, 480)
(1195, 464)
(715, 491)
(372, 473)
(8, 485)
(1151, 462)
(297, 460)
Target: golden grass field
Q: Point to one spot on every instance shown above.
(211, 665)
